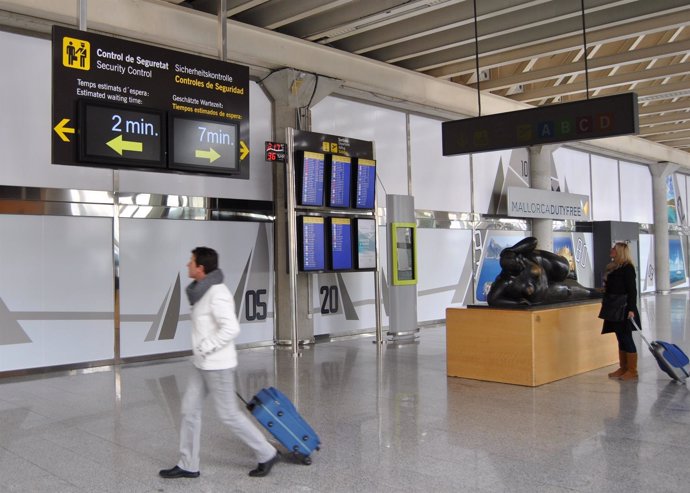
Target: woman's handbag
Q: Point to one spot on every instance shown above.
(613, 307)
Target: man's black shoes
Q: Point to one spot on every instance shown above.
(177, 472)
(264, 467)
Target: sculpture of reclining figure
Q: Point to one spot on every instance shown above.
(530, 277)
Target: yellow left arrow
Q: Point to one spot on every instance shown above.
(244, 150)
(118, 145)
(61, 130)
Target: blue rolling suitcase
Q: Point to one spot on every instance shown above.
(670, 358)
(278, 415)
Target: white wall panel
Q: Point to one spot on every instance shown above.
(258, 187)
(155, 252)
(636, 193)
(56, 291)
(25, 120)
(492, 174)
(572, 168)
(439, 183)
(605, 205)
(647, 277)
(441, 261)
(386, 128)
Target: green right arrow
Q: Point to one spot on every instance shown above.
(211, 155)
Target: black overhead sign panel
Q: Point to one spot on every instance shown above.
(122, 104)
(580, 120)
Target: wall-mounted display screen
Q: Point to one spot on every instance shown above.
(120, 136)
(365, 186)
(366, 244)
(310, 174)
(404, 259)
(203, 145)
(311, 243)
(339, 190)
(341, 243)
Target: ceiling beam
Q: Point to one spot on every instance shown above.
(604, 82)
(651, 109)
(665, 129)
(676, 116)
(466, 64)
(605, 62)
(669, 136)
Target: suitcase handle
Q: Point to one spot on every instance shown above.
(638, 329)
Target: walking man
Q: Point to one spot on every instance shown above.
(214, 328)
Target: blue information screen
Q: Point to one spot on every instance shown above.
(340, 182)
(313, 245)
(366, 184)
(341, 243)
(312, 179)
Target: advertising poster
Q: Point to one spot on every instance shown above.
(489, 264)
(676, 260)
(563, 246)
(671, 201)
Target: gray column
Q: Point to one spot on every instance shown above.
(540, 174)
(293, 93)
(660, 172)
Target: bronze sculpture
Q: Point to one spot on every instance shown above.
(532, 277)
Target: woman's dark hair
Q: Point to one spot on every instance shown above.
(207, 257)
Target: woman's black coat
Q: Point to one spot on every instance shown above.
(623, 281)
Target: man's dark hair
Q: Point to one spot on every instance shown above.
(207, 257)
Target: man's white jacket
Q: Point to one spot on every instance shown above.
(214, 329)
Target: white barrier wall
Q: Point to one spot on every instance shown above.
(153, 278)
(56, 291)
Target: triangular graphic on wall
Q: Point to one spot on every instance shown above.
(350, 312)
(165, 323)
(239, 292)
(10, 330)
(385, 293)
(255, 278)
(498, 188)
(463, 291)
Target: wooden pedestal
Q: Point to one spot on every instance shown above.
(527, 346)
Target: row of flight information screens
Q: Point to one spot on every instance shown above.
(336, 243)
(329, 180)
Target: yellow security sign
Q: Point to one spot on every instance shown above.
(76, 53)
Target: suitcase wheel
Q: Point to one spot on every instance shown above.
(306, 460)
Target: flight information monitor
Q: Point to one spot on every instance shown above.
(339, 183)
(366, 244)
(341, 243)
(366, 184)
(311, 243)
(310, 174)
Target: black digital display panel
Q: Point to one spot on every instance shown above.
(312, 252)
(310, 176)
(366, 244)
(340, 173)
(203, 145)
(341, 243)
(117, 136)
(594, 118)
(365, 186)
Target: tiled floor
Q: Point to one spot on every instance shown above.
(388, 420)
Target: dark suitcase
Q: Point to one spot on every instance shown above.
(670, 358)
(278, 415)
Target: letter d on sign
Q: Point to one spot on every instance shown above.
(604, 122)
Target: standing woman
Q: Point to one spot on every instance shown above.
(620, 279)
